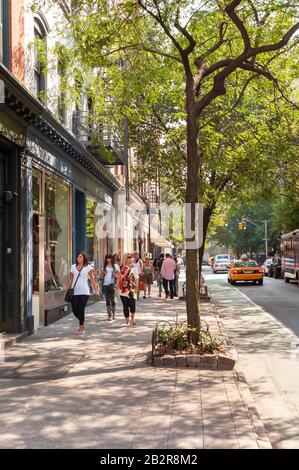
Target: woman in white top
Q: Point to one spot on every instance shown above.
(79, 275)
(109, 273)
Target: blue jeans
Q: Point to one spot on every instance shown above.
(109, 293)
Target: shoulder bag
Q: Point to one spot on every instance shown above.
(70, 292)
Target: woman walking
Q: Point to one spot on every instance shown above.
(110, 270)
(127, 284)
(148, 276)
(80, 273)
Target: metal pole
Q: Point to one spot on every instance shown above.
(266, 237)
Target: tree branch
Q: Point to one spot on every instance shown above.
(232, 64)
(219, 43)
(143, 48)
(158, 18)
(255, 12)
(217, 65)
(230, 10)
(192, 42)
(278, 45)
(252, 68)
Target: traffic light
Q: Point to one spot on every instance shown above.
(242, 225)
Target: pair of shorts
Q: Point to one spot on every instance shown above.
(147, 278)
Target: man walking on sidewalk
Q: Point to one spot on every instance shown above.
(158, 273)
(167, 273)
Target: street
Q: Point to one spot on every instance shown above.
(263, 324)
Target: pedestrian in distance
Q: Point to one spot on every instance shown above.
(177, 275)
(127, 286)
(109, 273)
(155, 268)
(168, 275)
(148, 276)
(158, 274)
(116, 259)
(138, 264)
(80, 273)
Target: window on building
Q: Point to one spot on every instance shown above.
(36, 189)
(4, 33)
(97, 241)
(40, 50)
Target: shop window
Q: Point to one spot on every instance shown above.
(40, 52)
(97, 242)
(57, 249)
(90, 230)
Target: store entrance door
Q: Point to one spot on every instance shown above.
(2, 314)
(10, 317)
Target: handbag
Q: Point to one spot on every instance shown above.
(70, 292)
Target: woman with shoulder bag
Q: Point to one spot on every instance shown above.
(127, 285)
(80, 273)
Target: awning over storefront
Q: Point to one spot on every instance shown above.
(159, 240)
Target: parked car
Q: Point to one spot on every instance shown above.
(204, 262)
(245, 271)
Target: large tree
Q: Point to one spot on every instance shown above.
(192, 49)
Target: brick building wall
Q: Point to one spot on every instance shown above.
(16, 13)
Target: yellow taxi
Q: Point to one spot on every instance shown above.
(240, 270)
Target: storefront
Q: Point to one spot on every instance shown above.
(53, 198)
(65, 207)
(17, 112)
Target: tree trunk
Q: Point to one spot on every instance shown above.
(192, 189)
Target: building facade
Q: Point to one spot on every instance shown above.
(53, 190)
(58, 193)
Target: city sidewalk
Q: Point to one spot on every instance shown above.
(112, 399)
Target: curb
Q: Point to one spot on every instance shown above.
(258, 427)
(9, 341)
(257, 424)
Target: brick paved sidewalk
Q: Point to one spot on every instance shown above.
(112, 399)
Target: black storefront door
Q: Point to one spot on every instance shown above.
(2, 314)
(9, 240)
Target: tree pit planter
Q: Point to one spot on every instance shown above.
(221, 361)
(211, 353)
